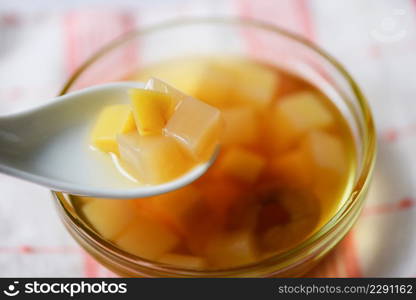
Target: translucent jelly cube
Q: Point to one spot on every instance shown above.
(328, 157)
(326, 151)
(254, 84)
(242, 164)
(221, 198)
(196, 125)
(113, 120)
(147, 238)
(215, 86)
(201, 226)
(151, 110)
(231, 249)
(241, 125)
(293, 168)
(297, 114)
(183, 261)
(173, 208)
(160, 86)
(108, 216)
(153, 159)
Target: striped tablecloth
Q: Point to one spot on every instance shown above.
(40, 46)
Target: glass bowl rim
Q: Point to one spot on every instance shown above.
(355, 195)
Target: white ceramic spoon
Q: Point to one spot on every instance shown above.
(49, 145)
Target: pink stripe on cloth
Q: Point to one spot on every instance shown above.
(91, 267)
(393, 134)
(385, 208)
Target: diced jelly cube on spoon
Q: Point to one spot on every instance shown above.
(160, 86)
(196, 125)
(173, 208)
(151, 110)
(153, 159)
(242, 164)
(326, 151)
(113, 120)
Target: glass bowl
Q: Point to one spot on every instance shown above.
(253, 39)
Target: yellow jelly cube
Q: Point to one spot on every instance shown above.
(196, 125)
(153, 159)
(173, 208)
(254, 84)
(231, 249)
(328, 156)
(240, 125)
(326, 151)
(297, 114)
(242, 164)
(215, 86)
(147, 238)
(183, 261)
(160, 86)
(293, 168)
(226, 82)
(113, 120)
(151, 110)
(108, 216)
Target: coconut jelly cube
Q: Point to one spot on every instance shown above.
(196, 125)
(242, 164)
(112, 120)
(173, 208)
(241, 125)
(151, 110)
(153, 159)
(293, 168)
(231, 249)
(326, 151)
(157, 85)
(254, 84)
(108, 216)
(297, 114)
(147, 238)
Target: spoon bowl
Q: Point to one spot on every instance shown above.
(49, 145)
